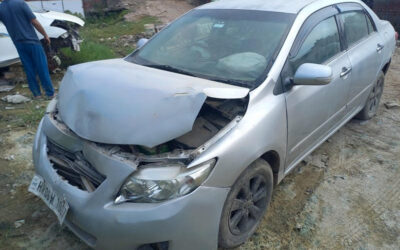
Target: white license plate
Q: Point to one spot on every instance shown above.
(57, 204)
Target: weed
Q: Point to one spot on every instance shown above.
(90, 51)
(101, 35)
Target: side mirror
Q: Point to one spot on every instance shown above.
(313, 74)
(141, 42)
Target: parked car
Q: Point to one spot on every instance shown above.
(61, 28)
(179, 145)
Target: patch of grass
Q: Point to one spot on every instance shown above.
(90, 51)
(101, 35)
(31, 116)
(114, 27)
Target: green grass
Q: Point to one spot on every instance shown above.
(31, 115)
(113, 25)
(101, 35)
(90, 51)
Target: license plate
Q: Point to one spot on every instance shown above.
(56, 203)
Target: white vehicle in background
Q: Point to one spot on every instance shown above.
(62, 29)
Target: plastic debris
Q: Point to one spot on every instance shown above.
(16, 99)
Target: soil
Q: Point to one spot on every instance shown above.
(165, 10)
(346, 195)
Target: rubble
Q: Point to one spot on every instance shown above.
(15, 99)
(392, 105)
(19, 223)
(5, 86)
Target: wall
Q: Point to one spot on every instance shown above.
(74, 6)
(389, 10)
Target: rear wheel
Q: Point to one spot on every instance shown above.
(371, 107)
(246, 204)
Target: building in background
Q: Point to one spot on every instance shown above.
(73, 6)
(388, 10)
(83, 7)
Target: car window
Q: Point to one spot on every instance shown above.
(355, 26)
(230, 46)
(320, 45)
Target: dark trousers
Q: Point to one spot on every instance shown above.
(34, 60)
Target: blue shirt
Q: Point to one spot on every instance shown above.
(17, 17)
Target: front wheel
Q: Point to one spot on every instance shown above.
(246, 204)
(371, 107)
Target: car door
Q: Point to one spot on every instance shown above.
(313, 111)
(8, 52)
(364, 48)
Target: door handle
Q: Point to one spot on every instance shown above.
(380, 47)
(345, 71)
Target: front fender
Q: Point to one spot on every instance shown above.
(52, 32)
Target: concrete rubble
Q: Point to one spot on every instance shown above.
(15, 99)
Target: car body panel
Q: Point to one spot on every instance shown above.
(193, 220)
(104, 225)
(8, 50)
(288, 6)
(49, 15)
(314, 110)
(9, 54)
(100, 109)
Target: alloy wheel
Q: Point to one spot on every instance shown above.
(248, 205)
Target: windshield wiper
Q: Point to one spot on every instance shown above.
(169, 68)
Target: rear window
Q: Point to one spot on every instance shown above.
(355, 26)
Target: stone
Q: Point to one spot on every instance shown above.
(16, 99)
(5, 86)
(392, 105)
(9, 75)
(19, 223)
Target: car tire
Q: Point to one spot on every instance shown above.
(246, 204)
(371, 107)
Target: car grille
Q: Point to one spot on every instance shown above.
(74, 168)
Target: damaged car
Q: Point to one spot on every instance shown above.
(63, 30)
(180, 144)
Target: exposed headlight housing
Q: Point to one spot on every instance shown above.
(163, 181)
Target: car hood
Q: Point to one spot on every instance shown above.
(118, 102)
(53, 15)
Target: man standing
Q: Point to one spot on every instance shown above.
(20, 22)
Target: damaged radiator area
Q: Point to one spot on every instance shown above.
(74, 168)
(216, 118)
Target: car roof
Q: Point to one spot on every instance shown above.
(285, 6)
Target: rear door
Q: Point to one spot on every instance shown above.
(364, 47)
(313, 111)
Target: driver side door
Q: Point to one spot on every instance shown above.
(313, 111)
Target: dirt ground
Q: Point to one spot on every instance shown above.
(165, 10)
(346, 195)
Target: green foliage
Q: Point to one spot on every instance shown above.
(90, 51)
(31, 116)
(115, 26)
(101, 35)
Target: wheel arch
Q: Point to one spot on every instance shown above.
(274, 160)
(385, 68)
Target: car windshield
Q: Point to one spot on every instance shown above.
(231, 46)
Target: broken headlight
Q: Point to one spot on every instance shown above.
(164, 181)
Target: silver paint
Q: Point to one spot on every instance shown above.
(106, 102)
(291, 125)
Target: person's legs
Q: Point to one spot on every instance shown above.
(42, 69)
(24, 51)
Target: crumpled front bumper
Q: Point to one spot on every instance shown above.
(190, 222)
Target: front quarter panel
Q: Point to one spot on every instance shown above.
(262, 129)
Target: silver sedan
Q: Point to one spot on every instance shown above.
(179, 145)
